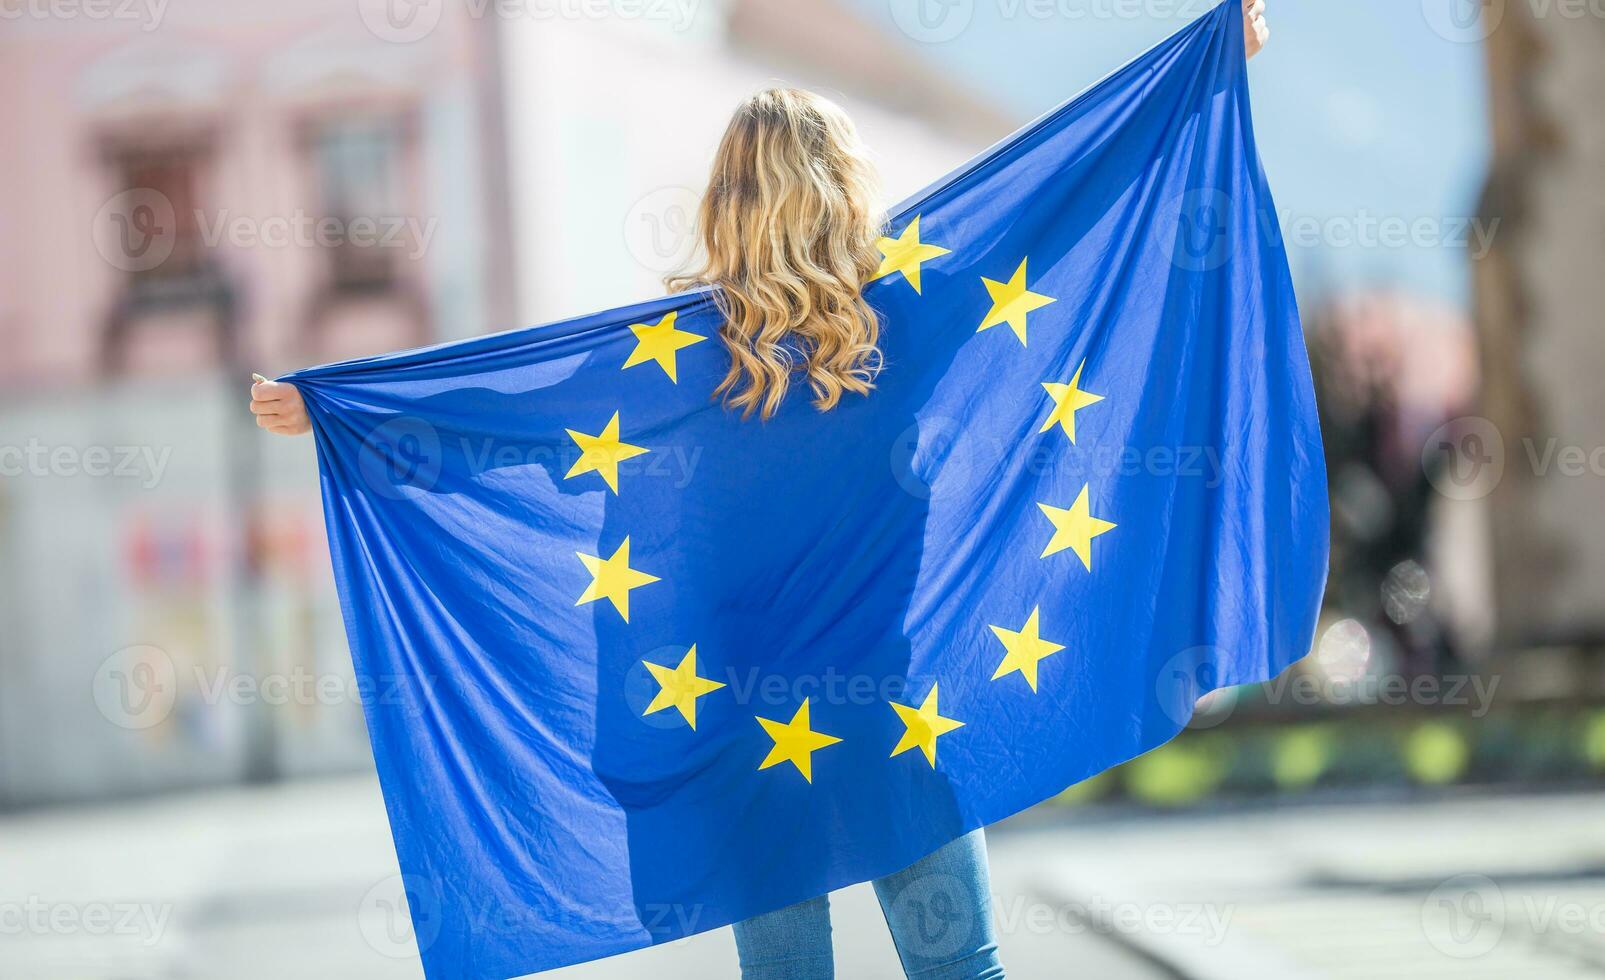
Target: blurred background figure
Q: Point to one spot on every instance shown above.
(196, 191)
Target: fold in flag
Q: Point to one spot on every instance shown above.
(644, 668)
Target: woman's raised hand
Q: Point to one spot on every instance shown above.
(278, 407)
(1255, 30)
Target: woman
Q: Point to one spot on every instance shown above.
(789, 234)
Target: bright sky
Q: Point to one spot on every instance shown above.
(1372, 124)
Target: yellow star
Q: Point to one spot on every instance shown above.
(923, 727)
(1066, 400)
(680, 687)
(1011, 301)
(613, 579)
(602, 453)
(1024, 649)
(659, 342)
(795, 742)
(905, 253)
(1074, 528)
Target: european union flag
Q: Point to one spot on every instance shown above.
(642, 668)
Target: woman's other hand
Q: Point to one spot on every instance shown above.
(1255, 31)
(278, 407)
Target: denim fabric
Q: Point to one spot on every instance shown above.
(939, 910)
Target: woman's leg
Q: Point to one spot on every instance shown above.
(940, 912)
(792, 943)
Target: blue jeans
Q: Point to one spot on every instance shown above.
(939, 910)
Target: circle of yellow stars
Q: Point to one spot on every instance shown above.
(1073, 528)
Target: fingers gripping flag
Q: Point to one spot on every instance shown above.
(643, 668)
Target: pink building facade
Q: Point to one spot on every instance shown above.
(189, 189)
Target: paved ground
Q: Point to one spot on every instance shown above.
(299, 881)
(1468, 889)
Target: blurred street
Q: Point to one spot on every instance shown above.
(300, 880)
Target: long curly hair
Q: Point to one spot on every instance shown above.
(788, 230)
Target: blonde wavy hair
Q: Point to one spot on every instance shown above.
(788, 229)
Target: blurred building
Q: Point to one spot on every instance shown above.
(200, 190)
(1409, 563)
(233, 184)
(1539, 294)
(612, 124)
(195, 191)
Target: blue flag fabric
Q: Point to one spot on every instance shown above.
(640, 668)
